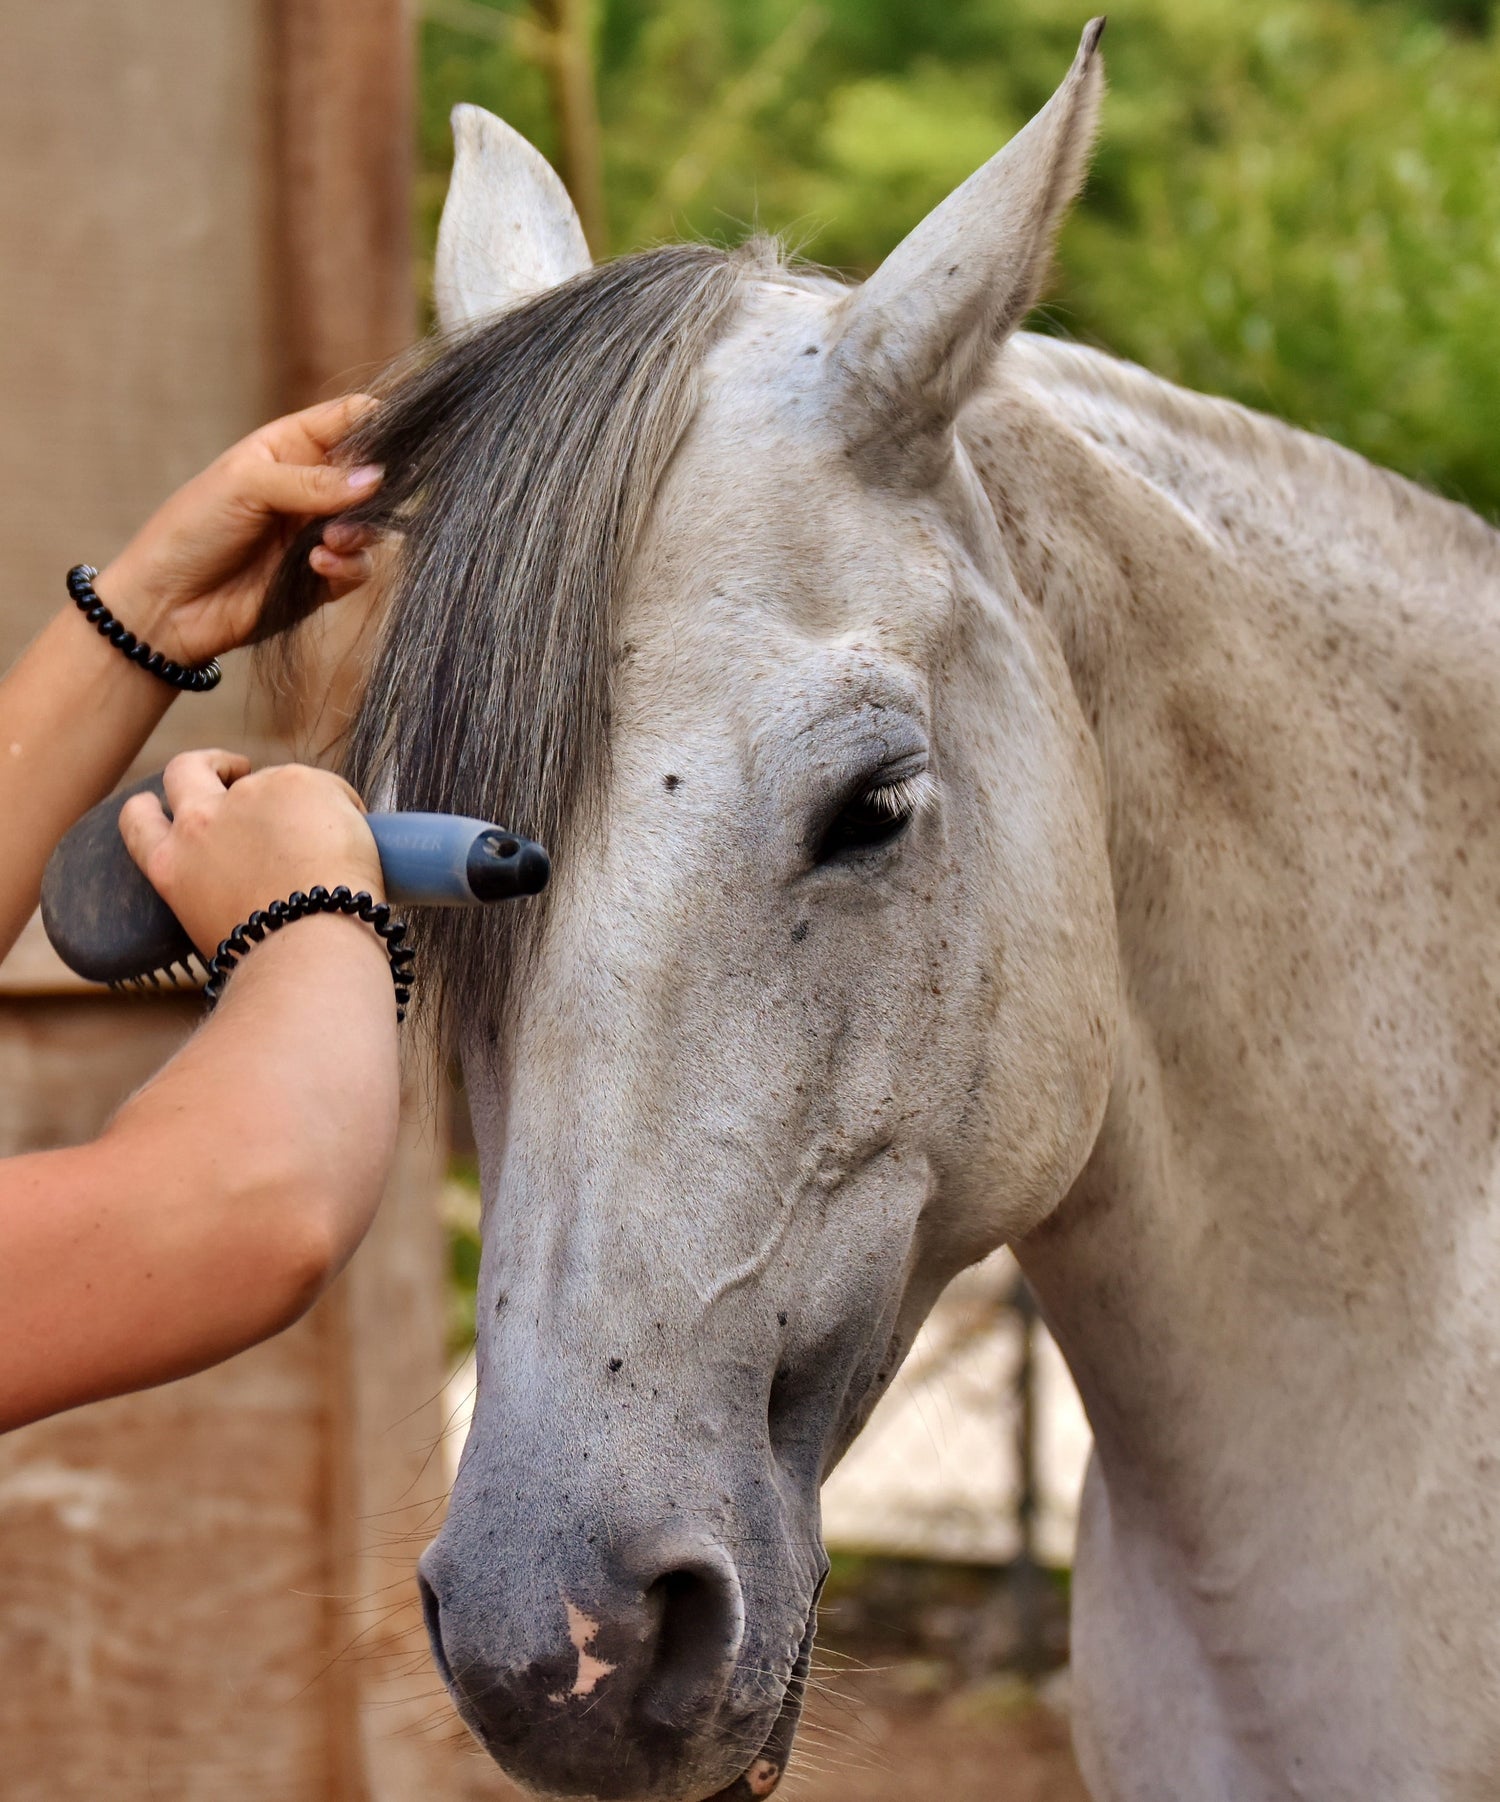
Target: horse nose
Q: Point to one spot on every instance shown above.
(614, 1689)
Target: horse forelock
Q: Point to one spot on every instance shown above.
(521, 461)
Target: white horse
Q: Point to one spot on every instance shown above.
(1028, 803)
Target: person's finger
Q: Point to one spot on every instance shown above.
(308, 436)
(351, 792)
(303, 488)
(333, 420)
(350, 571)
(341, 587)
(300, 775)
(143, 826)
(344, 536)
(199, 775)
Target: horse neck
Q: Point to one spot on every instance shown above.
(1289, 661)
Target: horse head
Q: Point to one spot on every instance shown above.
(701, 588)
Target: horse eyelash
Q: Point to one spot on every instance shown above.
(903, 799)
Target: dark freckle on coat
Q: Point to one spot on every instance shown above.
(671, 782)
(615, 1363)
(799, 932)
(781, 1320)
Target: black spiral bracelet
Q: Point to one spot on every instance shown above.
(195, 679)
(317, 901)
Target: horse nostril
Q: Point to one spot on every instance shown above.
(700, 1617)
(433, 1617)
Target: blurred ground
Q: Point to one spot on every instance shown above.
(917, 1694)
(909, 1733)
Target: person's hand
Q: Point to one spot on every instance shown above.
(237, 841)
(192, 580)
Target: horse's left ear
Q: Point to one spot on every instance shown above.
(508, 229)
(919, 336)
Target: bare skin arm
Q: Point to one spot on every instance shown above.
(74, 713)
(233, 1187)
(227, 1192)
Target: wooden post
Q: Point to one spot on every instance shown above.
(570, 73)
(342, 148)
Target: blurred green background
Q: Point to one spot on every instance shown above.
(1295, 202)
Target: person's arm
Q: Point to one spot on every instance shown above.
(74, 712)
(229, 1190)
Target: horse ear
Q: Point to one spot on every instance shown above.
(509, 229)
(920, 335)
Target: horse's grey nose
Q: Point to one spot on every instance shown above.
(614, 1689)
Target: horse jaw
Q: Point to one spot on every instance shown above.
(508, 231)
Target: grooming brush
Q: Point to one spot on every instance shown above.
(108, 924)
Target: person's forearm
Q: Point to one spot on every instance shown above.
(73, 714)
(224, 1194)
(295, 1087)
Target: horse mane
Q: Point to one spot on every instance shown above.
(521, 460)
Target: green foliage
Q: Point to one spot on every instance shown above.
(1295, 202)
(460, 1205)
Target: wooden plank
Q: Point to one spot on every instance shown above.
(34, 968)
(135, 313)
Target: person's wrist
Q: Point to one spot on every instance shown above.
(317, 935)
(273, 890)
(141, 608)
(312, 928)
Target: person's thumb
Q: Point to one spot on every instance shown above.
(144, 827)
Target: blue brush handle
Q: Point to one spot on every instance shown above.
(107, 922)
(445, 860)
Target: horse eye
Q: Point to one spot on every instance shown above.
(873, 817)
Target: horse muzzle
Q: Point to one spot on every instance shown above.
(637, 1681)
